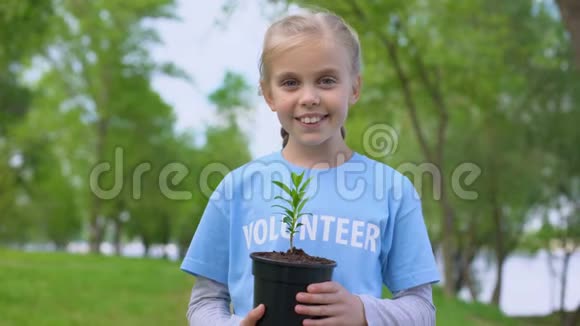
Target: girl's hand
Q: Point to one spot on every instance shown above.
(253, 316)
(334, 302)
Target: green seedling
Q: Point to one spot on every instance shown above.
(292, 212)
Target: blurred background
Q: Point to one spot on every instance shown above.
(118, 117)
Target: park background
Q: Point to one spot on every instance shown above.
(478, 102)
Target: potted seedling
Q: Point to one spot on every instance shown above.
(279, 276)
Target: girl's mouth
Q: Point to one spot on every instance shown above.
(312, 122)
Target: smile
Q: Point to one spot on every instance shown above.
(312, 120)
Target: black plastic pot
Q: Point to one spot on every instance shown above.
(276, 284)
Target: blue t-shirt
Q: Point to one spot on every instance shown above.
(364, 215)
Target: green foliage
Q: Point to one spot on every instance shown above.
(11, 227)
(23, 30)
(93, 96)
(23, 34)
(292, 209)
(14, 102)
(232, 95)
(226, 148)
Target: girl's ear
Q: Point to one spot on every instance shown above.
(356, 86)
(267, 94)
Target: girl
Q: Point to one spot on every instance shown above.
(365, 215)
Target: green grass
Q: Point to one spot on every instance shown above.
(63, 289)
(456, 312)
(60, 289)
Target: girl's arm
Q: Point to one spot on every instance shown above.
(210, 304)
(409, 307)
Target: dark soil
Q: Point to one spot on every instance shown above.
(296, 256)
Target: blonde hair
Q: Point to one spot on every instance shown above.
(294, 30)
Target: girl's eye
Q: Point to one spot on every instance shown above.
(290, 83)
(327, 81)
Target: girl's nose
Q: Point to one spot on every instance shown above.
(309, 97)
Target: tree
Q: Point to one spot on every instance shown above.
(23, 34)
(557, 135)
(570, 13)
(98, 69)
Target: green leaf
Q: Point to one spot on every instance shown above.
(284, 199)
(283, 187)
(295, 200)
(294, 176)
(303, 187)
(301, 204)
(299, 180)
(289, 212)
(287, 219)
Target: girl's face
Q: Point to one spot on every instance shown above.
(311, 87)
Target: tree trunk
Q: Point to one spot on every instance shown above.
(471, 285)
(60, 246)
(96, 230)
(447, 245)
(165, 235)
(575, 317)
(118, 232)
(496, 296)
(464, 279)
(570, 13)
(500, 255)
(563, 284)
(497, 218)
(118, 226)
(464, 271)
(146, 246)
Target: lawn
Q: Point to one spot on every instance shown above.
(63, 289)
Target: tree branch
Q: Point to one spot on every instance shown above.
(434, 89)
(405, 84)
(570, 13)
